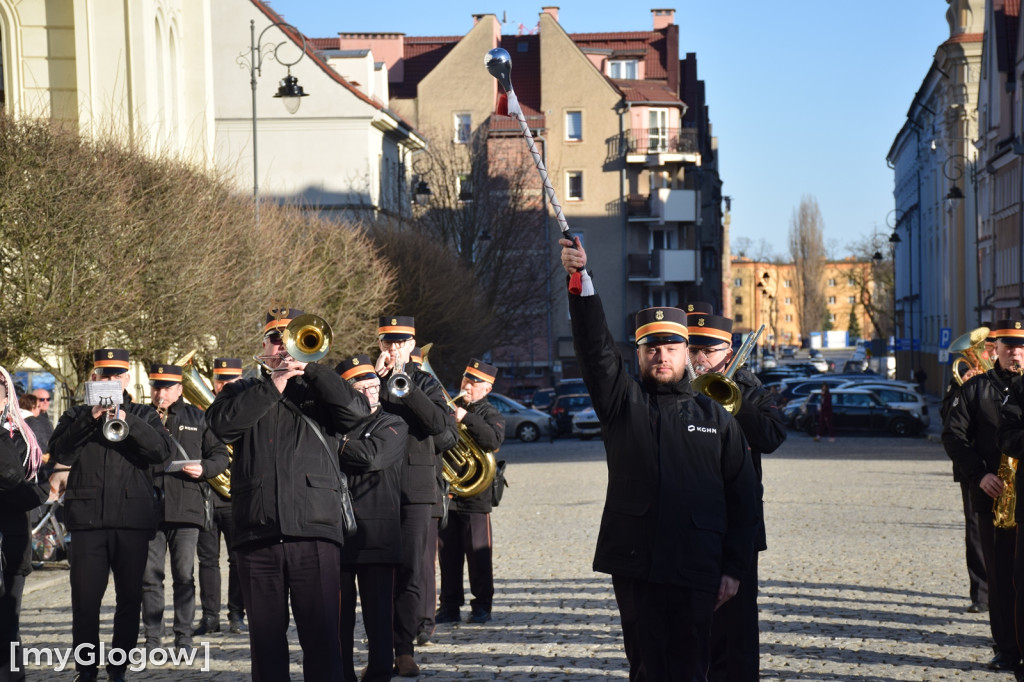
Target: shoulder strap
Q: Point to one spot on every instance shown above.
(316, 429)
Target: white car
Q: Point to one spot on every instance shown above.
(585, 424)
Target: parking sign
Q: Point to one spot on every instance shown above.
(945, 337)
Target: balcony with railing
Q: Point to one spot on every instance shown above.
(666, 145)
(663, 205)
(662, 265)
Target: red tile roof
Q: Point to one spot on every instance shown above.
(649, 45)
(420, 56)
(646, 91)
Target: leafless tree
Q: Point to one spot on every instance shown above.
(874, 282)
(807, 250)
(103, 245)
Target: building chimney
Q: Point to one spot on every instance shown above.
(663, 18)
(553, 11)
(477, 18)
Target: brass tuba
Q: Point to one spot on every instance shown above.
(467, 467)
(195, 390)
(1004, 507)
(720, 387)
(972, 347)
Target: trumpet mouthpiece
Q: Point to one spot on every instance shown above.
(499, 65)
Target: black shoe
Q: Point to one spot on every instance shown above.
(479, 615)
(208, 625)
(237, 625)
(182, 643)
(447, 614)
(423, 639)
(977, 607)
(1003, 661)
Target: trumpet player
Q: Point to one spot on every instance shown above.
(735, 645)
(183, 497)
(969, 436)
(467, 536)
(286, 501)
(422, 406)
(680, 515)
(225, 370)
(109, 507)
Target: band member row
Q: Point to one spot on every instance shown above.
(735, 638)
(677, 531)
(286, 501)
(969, 437)
(421, 405)
(466, 538)
(225, 370)
(109, 507)
(372, 456)
(182, 491)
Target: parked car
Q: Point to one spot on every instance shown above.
(808, 367)
(573, 386)
(859, 410)
(817, 359)
(542, 399)
(895, 395)
(564, 409)
(802, 388)
(586, 425)
(521, 422)
(787, 352)
(768, 361)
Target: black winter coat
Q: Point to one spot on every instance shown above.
(282, 482)
(969, 433)
(371, 456)
(681, 506)
(484, 424)
(762, 426)
(17, 497)
(182, 494)
(110, 484)
(425, 411)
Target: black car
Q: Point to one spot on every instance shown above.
(799, 388)
(564, 409)
(542, 399)
(859, 410)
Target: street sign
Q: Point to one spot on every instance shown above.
(943, 356)
(945, 337)
(908, 344)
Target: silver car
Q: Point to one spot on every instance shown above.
(521, 422)
(585, 424)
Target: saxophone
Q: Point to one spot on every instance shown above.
(1004, 507)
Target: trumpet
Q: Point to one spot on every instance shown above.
(108, 395)
(454, 399)
(307, 338)
(399, 384)
(114, 429)
(721, 387)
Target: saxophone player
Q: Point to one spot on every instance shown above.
(970, 440)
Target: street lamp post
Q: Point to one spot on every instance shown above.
(289, 90)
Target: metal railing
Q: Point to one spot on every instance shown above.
(661, 140)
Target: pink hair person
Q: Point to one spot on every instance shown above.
(15, 423)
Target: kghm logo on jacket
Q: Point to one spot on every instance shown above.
(186, 427)
(701, 429)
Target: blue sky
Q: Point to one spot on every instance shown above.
(805, 96)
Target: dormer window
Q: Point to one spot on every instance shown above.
(623, 68)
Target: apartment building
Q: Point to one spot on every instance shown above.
(623, 128)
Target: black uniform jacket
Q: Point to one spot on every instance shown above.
(282, 483)
(762, 426)
(182, 494)
(371, 456)
(969, 433)
(17, 497)
(681, 505)
(110, 484)
(1010, 435)
(484, 424)
(425, 411)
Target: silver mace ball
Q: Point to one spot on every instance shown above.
(499, 65)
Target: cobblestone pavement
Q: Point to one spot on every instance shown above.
(863, 580)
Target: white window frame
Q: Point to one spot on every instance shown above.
(787, 284)
(569, 175)
(738, 282)
(463, 121)
(568, 127)
(621, 68)
(831, 300)
(657, 130)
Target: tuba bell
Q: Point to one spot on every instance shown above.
(195, 390)
(468, 468)
(972, 347)
(720, 387)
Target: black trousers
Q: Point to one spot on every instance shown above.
(410, 582)
(376, 597)
(466, 539)
(95, 554)
(182, 545)
(666, 630)
(208, 551)
(308, 573)
(998, 547)
(429, 601)
(10, 613)
(972, 539)
(735, 638)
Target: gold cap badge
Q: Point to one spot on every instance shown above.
(660, 315)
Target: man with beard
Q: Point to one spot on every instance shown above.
(677, 532)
